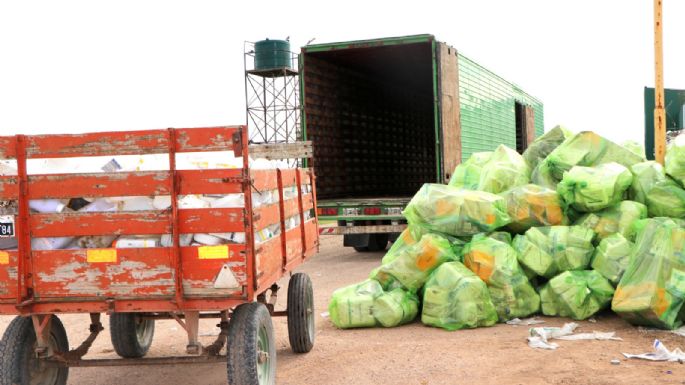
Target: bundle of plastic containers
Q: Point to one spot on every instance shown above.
(574, 225)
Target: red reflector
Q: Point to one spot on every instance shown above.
(372, 211)
(327, 211)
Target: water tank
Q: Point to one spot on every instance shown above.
(271, 54)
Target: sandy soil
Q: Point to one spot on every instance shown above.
(412, 354)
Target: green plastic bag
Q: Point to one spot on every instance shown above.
(544, 145)
(352, 306)
(675, 159)
(455, 298)
(413, 264)
(652, 289)
(365, 304)
(615, 219)
(635, 147)
(549, 250)
(587, 149)
(455, 211)
(576, 294)
(612, 257)
(542, 176)
(590, 189)
(407, 237)
(467, 175)
(396, 307)
(496, 264)
(666, 199)
(493, 172)
(531, 205)
(645, 176)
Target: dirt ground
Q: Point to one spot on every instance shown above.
(409, 355)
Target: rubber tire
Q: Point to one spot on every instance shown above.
(361, 249)
(243, 335)
(16, 347)
(122, 330)
(301, 326)
(378, 242)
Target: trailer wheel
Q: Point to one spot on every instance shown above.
(131, 335)
(19, 365)
(251, 346)
(301, 327)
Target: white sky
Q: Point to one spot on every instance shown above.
(74, 66)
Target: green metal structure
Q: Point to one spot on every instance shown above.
(674, 102)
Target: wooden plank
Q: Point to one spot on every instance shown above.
(98, 144)
(221, 181)
(266, 216)
(205, 138)
(293, 244)
(9, 187)
(264, 180)
(449, 109)
(8, 147)
(8, 274)
(530, 125)
(118, 223)
(268, 259)
(199, 274)
(228, 220)
(295, 150)
(135, 273)
(130, 142)
(289, 178)
(311, 231)
(99, 185)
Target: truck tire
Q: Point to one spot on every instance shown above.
(251, 353)
(131, 335)
(378, 242)
(301, 326)
(19, 365)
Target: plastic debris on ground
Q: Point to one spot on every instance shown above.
(547, 251)
(526, 322)
(366, 305)
(456, 212)
(532, 205)
(539, 337)
(617, 219)
(612, 257)
(496, 264)
(493, 172)
(652, 289)
(413, 264)
(455, 298)
(590, 189)
(576, 294)
(675, 159)
(660, 353)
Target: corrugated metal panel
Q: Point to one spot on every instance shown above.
(488, 116)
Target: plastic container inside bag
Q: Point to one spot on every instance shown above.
(616, 219)
(576, 294)
(531, 205)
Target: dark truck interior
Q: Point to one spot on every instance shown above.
(369, 113)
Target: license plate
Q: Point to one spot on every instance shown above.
(6, 226)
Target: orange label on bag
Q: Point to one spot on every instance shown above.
(101, 255)
(4, 258)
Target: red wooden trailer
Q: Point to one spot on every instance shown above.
(235, 283)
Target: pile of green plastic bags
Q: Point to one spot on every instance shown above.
(574, 225)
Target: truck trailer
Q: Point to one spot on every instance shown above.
(387, 115)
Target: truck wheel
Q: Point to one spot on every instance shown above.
(378, 242)
(251, 346)
(361, 249)
(131, 335)
(19, 365)
(301, 329)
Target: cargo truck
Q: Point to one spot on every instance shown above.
(387, 115)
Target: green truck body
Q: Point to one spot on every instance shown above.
(388, 115)
(674, 103)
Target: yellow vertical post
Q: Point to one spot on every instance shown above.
(659, 112)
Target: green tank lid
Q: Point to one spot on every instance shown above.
(272, 54)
